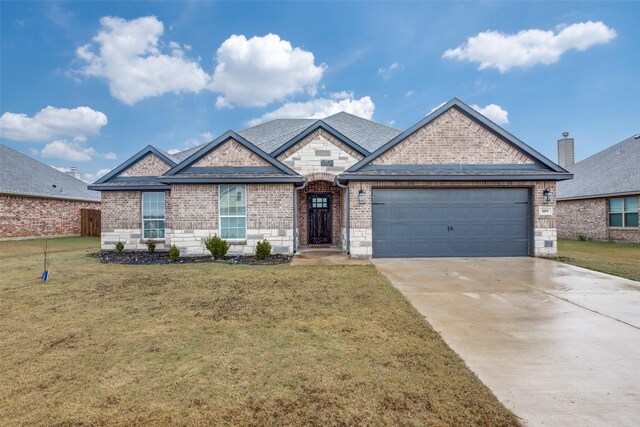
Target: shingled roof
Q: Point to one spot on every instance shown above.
(613, 171)
(367, 134)
(181, 155)
(22, 175)
(274, 134)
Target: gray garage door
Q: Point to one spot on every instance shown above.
(451, 222)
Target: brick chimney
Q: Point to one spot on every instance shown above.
(565, 151)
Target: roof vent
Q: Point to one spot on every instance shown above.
(636, 136)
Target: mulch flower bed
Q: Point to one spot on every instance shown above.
(125, 257)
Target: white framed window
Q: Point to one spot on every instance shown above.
(623, 212)
(233, 212)
(153, 215)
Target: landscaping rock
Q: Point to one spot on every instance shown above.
(112, 257)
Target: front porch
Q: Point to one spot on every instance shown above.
(320, 214)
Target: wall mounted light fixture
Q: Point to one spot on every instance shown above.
(548, 196)
(362, 197)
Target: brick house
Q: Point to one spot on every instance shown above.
(602, 202)
(38, 200)
(454, 184)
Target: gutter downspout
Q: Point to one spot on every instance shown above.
(348, 225)
(295, 214)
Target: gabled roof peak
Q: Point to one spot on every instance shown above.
(474, 115)
(149, 149)
(221, 140)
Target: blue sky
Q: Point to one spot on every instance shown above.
(121, 75)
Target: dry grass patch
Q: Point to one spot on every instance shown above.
(222, 345)
(619, 259)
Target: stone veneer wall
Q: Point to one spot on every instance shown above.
(192, 216)
(320, 152)
(453, 138)
(22, 216)
(589, 218)
(150, 165)
(195, 218)
(360, 221)
(336, 206)
(122, 219)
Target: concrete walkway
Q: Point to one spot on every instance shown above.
(326, 257)
(559, 345)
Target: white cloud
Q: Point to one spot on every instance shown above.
(319, 108)
(261, 70)
(388, 71)
(86, 177)
(493, 49)
(62, 149)
(51, 122)
(341, 95)
(409, 93)
(129, 56)
(494, 113)
(435, 108)
(73, 151)
(92, 177)
(203, 138)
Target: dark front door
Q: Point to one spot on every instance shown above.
(319, 218)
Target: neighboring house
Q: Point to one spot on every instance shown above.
(602, 201)
(454, 184)
(38, 200)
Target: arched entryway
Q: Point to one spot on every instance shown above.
(320, 213)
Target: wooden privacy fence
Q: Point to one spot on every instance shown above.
(90, 222)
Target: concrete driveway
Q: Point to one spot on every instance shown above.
(558, 345)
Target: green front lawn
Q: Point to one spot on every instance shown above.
(619, 259)
(221, 345)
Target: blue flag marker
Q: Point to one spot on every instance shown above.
(45, 272)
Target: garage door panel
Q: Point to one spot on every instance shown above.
(400, 213)
(518, 246)
(450, 222)
(469, 230)
(384, 231)
(518, 209)
(460, 212)
(437, 248)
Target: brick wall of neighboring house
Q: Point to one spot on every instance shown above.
(589, 218)
(231, 154)
(150, 165)
(452, 138)
(22, 216)
(336, 206)
(360, 220)
(320, 152)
